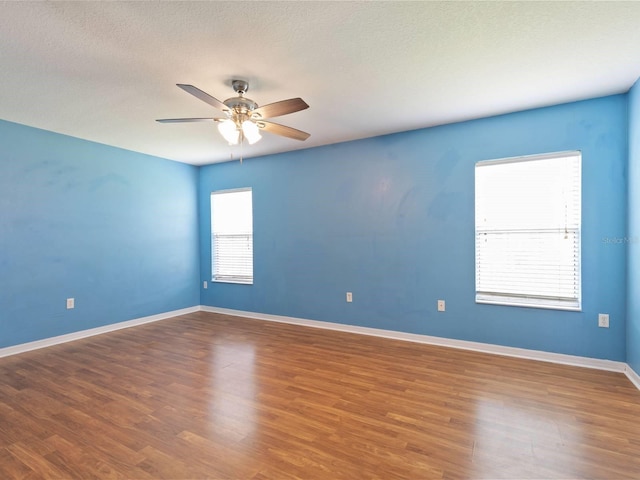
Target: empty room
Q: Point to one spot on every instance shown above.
(319, 240)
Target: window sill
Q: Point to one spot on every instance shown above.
(514, 303)
(231, 280)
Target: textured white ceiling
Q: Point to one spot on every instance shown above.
(104, 71)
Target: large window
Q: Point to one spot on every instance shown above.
(232, 236)
(528, 231)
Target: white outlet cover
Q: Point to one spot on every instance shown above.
(603, 320)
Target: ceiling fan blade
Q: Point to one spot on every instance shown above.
(282, 107)
(183, 120)
(204, 96)
(283, 130)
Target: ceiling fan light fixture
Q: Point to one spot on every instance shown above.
(243, 117)
(228, 130)
(251, 131)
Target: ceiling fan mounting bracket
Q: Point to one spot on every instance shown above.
(240, 86)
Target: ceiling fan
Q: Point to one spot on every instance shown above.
(243, 117)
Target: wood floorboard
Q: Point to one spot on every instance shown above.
(206, 395)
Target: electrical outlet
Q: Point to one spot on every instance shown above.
(349, 297)
(441, 305)
(603, 320)
(204, 285)
(71, 303)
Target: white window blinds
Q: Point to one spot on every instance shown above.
(528, 231)
(232, 236)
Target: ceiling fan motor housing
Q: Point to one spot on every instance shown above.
(240, 105)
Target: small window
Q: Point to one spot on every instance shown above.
(528, 231)
(232, 236)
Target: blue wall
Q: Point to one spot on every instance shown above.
(114, 229)
(388, 218)
(633, 311)
(391, 219)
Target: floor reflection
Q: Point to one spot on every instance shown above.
(519, 441)
(232, 406)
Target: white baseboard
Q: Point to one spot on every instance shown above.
(69, 337)
(633, 376)
(560, 358)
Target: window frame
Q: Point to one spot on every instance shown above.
(524, 299)
(230, 278)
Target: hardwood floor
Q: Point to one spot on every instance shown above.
(212, 396)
